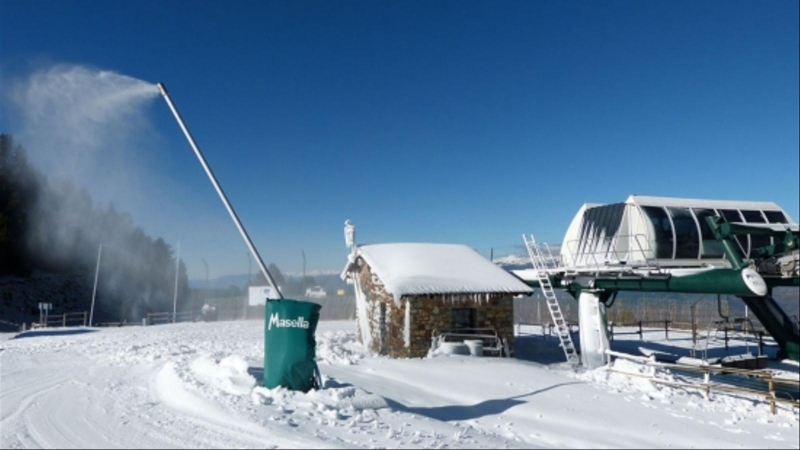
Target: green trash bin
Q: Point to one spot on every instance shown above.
(289, 344)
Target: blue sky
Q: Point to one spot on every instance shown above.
(468, 122)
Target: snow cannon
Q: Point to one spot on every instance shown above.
(289, 347)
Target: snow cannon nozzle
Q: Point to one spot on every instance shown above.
(162, 89)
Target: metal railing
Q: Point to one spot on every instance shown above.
(775, 391)
(600, 253)
(547, 328)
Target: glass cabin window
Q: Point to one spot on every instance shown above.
(732, 215)
(661, 241)
(775, 217)
(756, 241)
(753, 217)
(711, 247)
(687, 236)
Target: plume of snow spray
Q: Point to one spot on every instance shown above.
(79, 126)
(75, 119)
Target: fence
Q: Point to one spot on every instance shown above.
(79, 319)
(167, 317)
(775, 391)
(630, 307)
(547, 328)
(641, 330)
(730, 331)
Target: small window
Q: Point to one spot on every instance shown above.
(775, 217)
(462, 318)
(661, 241)
(731, 215)
(753, 217)
(755, 240)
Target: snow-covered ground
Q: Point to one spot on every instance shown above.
(195, 385)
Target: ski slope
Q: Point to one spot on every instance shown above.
(195, 385)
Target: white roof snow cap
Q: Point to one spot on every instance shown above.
(418, 269)
(699, 203)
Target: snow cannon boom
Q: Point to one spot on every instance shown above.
(219, 190)
(289, 344)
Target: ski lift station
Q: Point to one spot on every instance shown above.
(664, 232)
(657, 244)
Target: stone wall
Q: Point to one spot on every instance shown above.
(388, 340)
(432, 313)
(428, 314)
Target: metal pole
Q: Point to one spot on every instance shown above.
(539, 311)
(177, 272)
(694, 328)
(96, 275)
(247, 287)
(222, 196)
(249, 270)
(205, 295)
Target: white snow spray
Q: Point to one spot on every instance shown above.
(88, 129)
(75, 120)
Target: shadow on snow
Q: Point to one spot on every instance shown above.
(43, 333)
(468, 412)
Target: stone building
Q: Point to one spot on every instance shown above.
(407, 293)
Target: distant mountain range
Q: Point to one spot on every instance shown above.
(514, 262)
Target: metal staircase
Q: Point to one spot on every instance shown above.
(544, 261)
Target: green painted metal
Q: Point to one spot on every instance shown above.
(722, 229)
(713, 281)
(774, 319)
(793, 351)
(779, 325)
(289, 344)
(787, 241)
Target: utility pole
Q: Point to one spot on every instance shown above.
(247, 288)
(96, 275)
(249, 270)
(205, 299)
(539, 311)
(177, 272)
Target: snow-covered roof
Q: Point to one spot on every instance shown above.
(642, 200)
(421, 268)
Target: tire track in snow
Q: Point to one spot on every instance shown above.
(29, 399)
